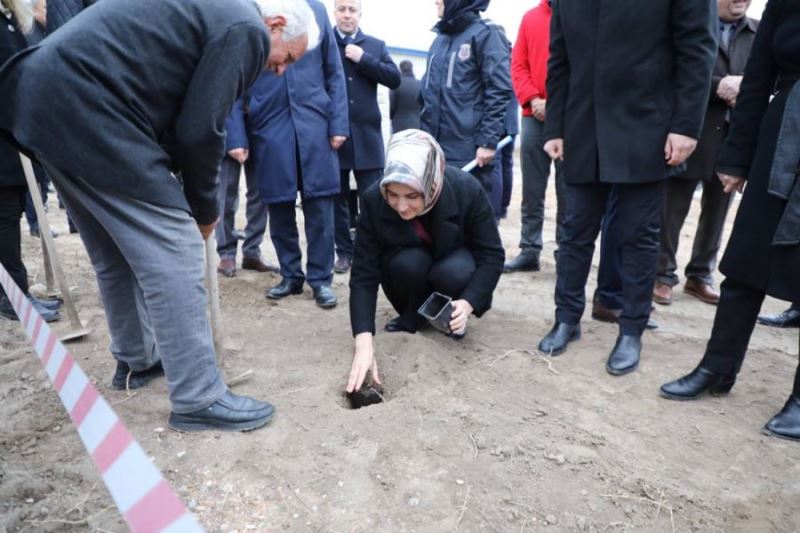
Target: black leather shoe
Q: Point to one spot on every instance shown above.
(555, 342)
(788, 319)
(50, 305)
(7, 310)
(49, 315)
(325, 297)
(694, 384)
(398, 325)
(284, 289)
(137, 380)
(624, 358)
(342, 265)
(786, 424)
(229, 413)
(526, 261)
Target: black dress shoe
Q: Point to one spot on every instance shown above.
(342, 265)
(624, 358)
(325, 297)
(284, 289)
(229, 413)
(694, 384)
(7, 310)
(555, 342)
(786, 424)
(50, 305)
(137, 380)
(398, 325)
(526, 261)
(788, 319)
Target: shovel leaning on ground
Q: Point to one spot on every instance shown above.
(77, 330)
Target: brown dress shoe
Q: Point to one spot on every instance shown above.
(662, 293)
(258, 264)
(605, 314)
(702, 291)
(227, 267)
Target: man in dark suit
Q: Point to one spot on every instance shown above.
(115, 104)
(295, 125)
(366, 63)
(627, 90)
(736, 32)
(404, 100)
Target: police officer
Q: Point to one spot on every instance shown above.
(467, 89)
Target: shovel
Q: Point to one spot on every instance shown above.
(469, 167)
(77, 330)
(213, 293)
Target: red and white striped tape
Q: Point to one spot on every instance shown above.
(142, 495)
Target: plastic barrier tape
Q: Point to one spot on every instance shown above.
(142, 495)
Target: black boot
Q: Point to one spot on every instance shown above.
(693, 385)
(624, 358)
(786, 424)
(555, 342)
(526, 261)
(137, 380)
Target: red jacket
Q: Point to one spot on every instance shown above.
(530, 54)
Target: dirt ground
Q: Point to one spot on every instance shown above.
(478, 435)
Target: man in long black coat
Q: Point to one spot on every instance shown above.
(366, 64)
(627, 88)
(114, 105)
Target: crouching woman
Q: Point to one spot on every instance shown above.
(424, 227)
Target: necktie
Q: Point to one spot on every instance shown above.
(725, 36)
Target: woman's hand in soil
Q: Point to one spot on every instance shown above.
(458, 319)
(363, 362)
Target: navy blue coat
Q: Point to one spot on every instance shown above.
(466, 90)
(364, 148)
(295, 113)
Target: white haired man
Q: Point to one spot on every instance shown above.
(115, 105)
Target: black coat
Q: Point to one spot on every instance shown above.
(59, 12)
(11, 41)
(466, 88)
(133, 88)
(715, 127)
(620, 77)
(404, 105)
(364, 149)
(462, 217)
(750, 257)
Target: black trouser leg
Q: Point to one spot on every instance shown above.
(404, 279)
(585, 207)
(639, 222)
(12, 205)
(733, 325)
(715, 203)
(451, 274)
(676, 204)
(796, 389)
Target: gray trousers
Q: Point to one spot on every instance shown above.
(707, 240)
(149, 264)
(255, 212)
(535, 175)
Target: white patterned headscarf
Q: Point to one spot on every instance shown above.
(416, 160)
